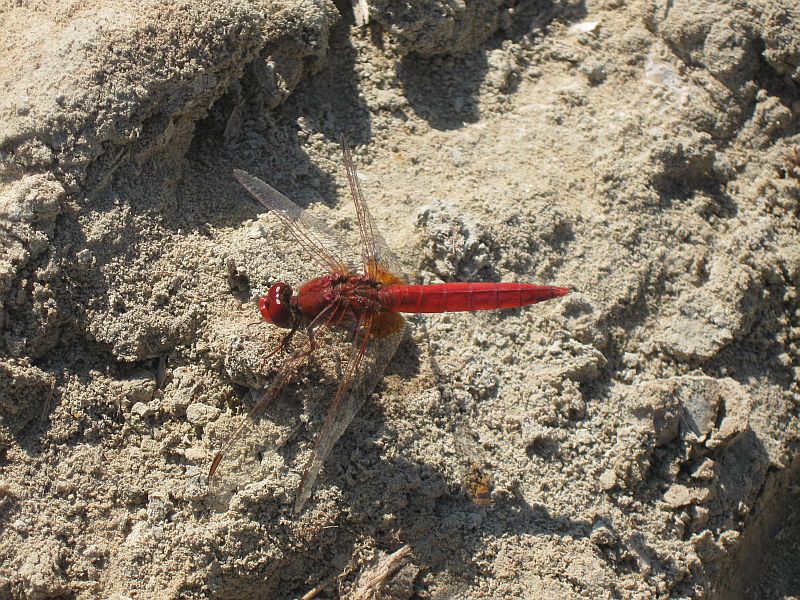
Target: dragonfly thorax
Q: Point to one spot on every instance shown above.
(276, 307)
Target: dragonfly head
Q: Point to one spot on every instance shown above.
(276, 307)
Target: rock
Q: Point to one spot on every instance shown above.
(607, 480)
(602, 535)
(705, 471)
(693, 403)
(595, 72)
(656, 402)
(198, 413)
(25, 392)
(738, 406)
(780, 27)
(700, 329)
(141, 409)
(432, 28)
(706, 546)
(700, 518)
(457, 245)
(741, 466)
(700, 399)
(39, 570)
(158, 507)
(717, 36)
(138, 388)
(680, 495)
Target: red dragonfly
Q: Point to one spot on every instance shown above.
(366, 298)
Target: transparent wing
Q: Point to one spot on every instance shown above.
(377, 333)
(376, 340)
(319, 242)
(377, 259)
(278, 384)
(282, 378)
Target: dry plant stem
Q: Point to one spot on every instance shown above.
(317, 589)
(382, 572)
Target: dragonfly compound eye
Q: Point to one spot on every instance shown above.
(275, 307)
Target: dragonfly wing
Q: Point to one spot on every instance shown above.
(319, 242)
(240, 435)
(377, 258)
(376, 340)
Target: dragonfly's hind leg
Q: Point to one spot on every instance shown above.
(284, 344)
(310, 343)
(330, 315)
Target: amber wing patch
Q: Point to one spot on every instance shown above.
(377, 272)
(386, 323)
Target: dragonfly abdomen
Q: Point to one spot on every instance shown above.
(458, 296)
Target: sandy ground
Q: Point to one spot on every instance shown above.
(636, 439)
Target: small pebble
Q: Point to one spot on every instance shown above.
(200, 414)
(602, 535)
(608, 479)
(141, 409)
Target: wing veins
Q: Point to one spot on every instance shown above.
(331, 431)
(297, 221)
(274, 389)
(369, 255)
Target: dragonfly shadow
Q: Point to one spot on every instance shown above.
(446, 526)
(444, 519)
(447, 89)
(393, 502)
(407, 360)
(444, 90)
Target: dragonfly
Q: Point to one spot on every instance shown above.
(362, 291)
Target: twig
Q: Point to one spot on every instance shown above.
(319, 588)
(381, 574)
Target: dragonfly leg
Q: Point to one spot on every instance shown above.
(330, 314)
(287, 339)
(311, 346)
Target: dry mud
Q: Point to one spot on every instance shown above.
(636, 439)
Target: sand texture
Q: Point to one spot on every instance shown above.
(637, 438)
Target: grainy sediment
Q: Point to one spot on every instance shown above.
(635, 439)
